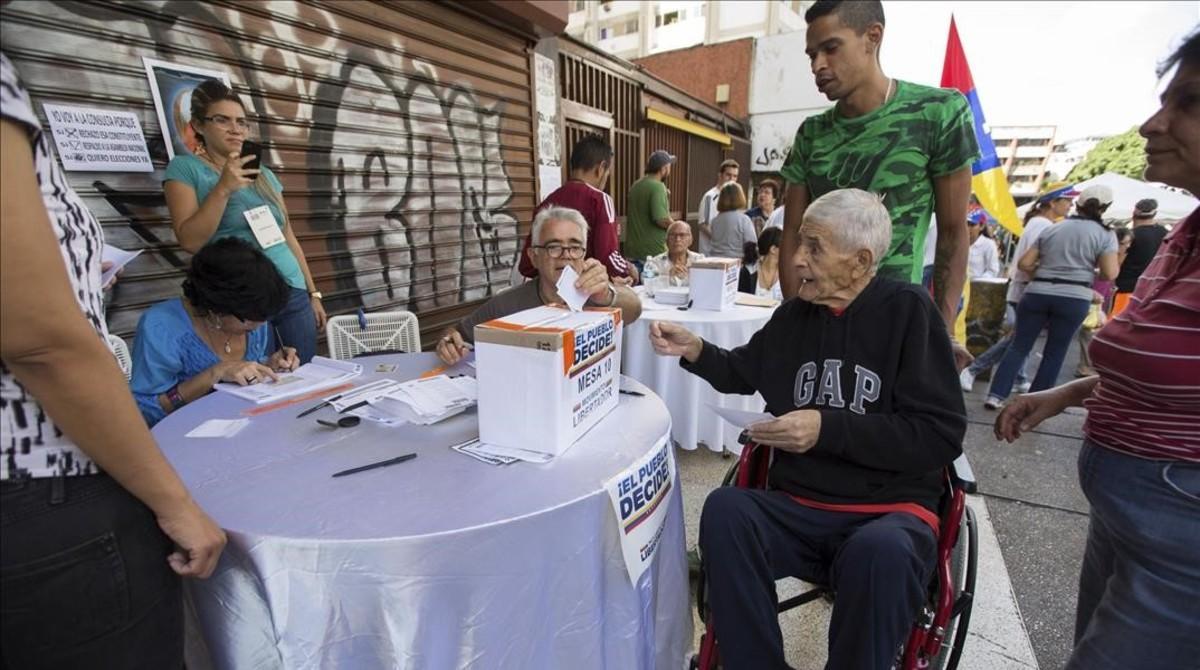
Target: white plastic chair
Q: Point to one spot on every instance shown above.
(385, 331)
(121, 351)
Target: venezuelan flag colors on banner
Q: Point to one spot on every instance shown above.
(988, 181)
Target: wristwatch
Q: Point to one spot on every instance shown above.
(613, 292)
(315, 294)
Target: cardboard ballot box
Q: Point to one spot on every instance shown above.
(546, 375)
(714, 282)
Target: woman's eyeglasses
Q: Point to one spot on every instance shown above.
(228, 122)
(573, 252)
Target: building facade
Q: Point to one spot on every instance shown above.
(719, 74)
(1025, 152)
(1067, 155)
(631, 29)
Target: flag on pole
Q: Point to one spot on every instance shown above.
(988, 181)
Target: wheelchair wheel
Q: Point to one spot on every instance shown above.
(963, 567)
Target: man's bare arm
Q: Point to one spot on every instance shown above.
(951, 194)
(793, 214)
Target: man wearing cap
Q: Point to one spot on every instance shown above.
(649, 213)
(1148, 234)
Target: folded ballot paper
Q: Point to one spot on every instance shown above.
(320, 373)
(426, 401)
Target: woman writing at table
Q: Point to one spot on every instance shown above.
(211, 196)
(216, 333)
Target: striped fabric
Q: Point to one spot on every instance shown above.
(31, 445)
(1148, 401)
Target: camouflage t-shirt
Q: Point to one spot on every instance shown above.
(895, 151)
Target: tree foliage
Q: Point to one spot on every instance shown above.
(1124, 154)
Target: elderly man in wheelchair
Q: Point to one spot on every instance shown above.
(859, 373)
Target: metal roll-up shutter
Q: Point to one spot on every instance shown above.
(402, 134)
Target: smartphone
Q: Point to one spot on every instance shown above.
(252, 148)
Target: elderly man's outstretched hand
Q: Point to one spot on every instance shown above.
(797, 431)
(672, 339)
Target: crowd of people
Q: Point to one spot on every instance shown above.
(858, 365)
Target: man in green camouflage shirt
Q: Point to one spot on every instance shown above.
(912, 145)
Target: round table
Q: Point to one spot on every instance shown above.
(438, 562)
(686, 395)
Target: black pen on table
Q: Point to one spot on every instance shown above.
(380, 464)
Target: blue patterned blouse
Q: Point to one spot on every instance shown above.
(168, 351)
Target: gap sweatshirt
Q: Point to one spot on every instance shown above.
(882, 376)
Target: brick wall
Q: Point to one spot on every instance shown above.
(698, 70)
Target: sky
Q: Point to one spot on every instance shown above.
(1086, 67)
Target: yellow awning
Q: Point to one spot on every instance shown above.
(689, 127)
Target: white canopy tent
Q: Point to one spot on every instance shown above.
(1172, 205)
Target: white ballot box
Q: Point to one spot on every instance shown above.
(714, 282)
(546, 375)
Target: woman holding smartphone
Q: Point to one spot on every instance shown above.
(221, 191)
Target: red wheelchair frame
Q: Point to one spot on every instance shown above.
(938, 634)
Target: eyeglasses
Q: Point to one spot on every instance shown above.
(678, 235)
(227, 122)
(573, 251)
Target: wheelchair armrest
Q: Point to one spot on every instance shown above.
(962, 474)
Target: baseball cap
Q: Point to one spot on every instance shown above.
(1057, 192)
(657, 160)
(1145, 208)
(1098, 192)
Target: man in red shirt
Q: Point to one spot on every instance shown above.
(591, 162)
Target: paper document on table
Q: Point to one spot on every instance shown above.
(119, 259)
(472, 448)
(369, 391)
(219, 428)
(752, 300)
(429, 399)
(574, 297)
(512, 452)
(320, 373)
(740, 417)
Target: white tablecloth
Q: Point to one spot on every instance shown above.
(688, 396)
(439, 562)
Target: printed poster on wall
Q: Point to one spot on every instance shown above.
(98, 140)
(172, 87)
(640, 497)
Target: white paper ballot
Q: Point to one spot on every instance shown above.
(119, 259)
(574, 297)
(219, 428)
(740, 417)
(512, 452)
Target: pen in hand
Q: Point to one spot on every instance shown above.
(286, 361)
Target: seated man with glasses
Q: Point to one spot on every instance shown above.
(560, 239)
(673, 264)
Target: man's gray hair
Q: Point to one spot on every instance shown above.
(559, 214)
(857, 219)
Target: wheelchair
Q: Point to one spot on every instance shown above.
(940, 628)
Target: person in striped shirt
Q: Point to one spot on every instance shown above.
(1140, 462)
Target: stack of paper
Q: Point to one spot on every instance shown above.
(428, 400)
(318, 374)
(496, 455)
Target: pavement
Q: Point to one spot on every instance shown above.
(1032, 528)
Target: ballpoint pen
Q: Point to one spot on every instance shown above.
(380, 464)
